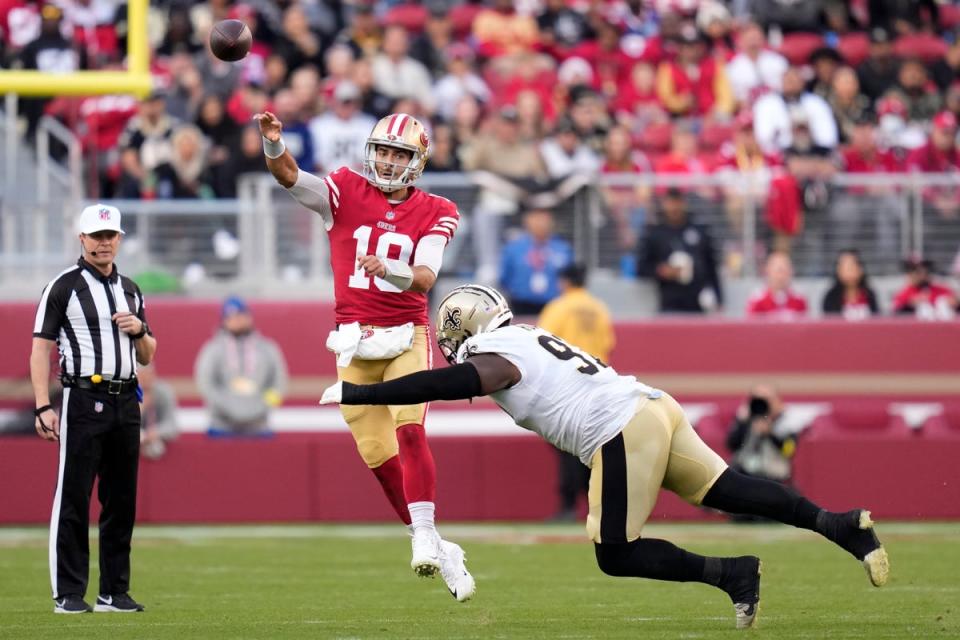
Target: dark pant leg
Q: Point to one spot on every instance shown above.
(738, 493)
(118, 494)
(80, 450)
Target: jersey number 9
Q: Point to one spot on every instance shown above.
(563, 351)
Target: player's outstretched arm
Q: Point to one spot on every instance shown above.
(479, 376)
(279, 161)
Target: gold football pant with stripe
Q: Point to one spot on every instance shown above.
(374, 427)
(657, 448)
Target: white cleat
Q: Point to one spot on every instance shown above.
(453, 568)
(426, 553)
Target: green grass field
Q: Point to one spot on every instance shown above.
(533, 582)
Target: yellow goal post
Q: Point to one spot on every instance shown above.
(135, 80)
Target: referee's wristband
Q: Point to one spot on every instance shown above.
(144, 330)
(40, 410)
(273, 150)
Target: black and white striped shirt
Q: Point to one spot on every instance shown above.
(76, 310)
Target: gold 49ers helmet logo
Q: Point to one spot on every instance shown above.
(451, 320)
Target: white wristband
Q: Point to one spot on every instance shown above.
(273, 150)
(399, 273)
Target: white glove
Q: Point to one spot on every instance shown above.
(332, 394)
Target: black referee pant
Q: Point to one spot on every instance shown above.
(99, 438)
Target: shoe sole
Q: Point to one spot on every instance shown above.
(752, 623)
(426, 568)
(69, 613)
(106, 608)
(876, 563)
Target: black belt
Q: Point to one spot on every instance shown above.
(113, 387)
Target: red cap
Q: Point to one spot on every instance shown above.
(945, 120)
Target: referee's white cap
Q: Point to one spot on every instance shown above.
(99, 217)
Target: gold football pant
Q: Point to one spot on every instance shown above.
(373, 426)
(658, 447)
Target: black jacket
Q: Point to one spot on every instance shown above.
(833, 300)
(661, 241)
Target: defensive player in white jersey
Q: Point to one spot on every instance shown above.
(634, 438)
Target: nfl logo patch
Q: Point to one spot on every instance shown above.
(391, 215)
(98, 407)
(104, 214)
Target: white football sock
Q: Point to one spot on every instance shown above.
(421, 516)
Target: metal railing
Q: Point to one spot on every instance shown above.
(264, 243)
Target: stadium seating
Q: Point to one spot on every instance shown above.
(409, 15)
(854, 47)
(655, 139)
(927, 47)
(714, 135)
(797, 47)
(858, 417)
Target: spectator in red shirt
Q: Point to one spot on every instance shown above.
(939, 155)
(777, 301)
(921, 296)
(851, 295)
(683, 155)
(684, 158)
(856, 209)
(637, 103)
(609, 61)
(694, 84)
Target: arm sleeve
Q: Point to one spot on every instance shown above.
(711, 257)
(52, 310)
(429, 252)
(141, 306)
(458, 382)
(318, 194)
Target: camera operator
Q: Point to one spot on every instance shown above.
(758, 450)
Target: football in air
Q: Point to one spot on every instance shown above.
(230, 40)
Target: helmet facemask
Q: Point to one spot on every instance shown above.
(404, 174)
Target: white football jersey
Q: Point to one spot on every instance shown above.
(572, 400)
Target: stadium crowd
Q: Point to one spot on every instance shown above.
(531, 92)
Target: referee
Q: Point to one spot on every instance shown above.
(96, 318)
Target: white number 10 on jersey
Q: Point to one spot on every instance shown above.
(360, 279)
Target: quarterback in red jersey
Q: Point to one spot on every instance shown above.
(386, 246)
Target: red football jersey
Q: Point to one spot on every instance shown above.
(366, 223)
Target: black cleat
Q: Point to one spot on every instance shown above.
(853, 531)
(121, 603)
(742, 584)
(71, 604)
